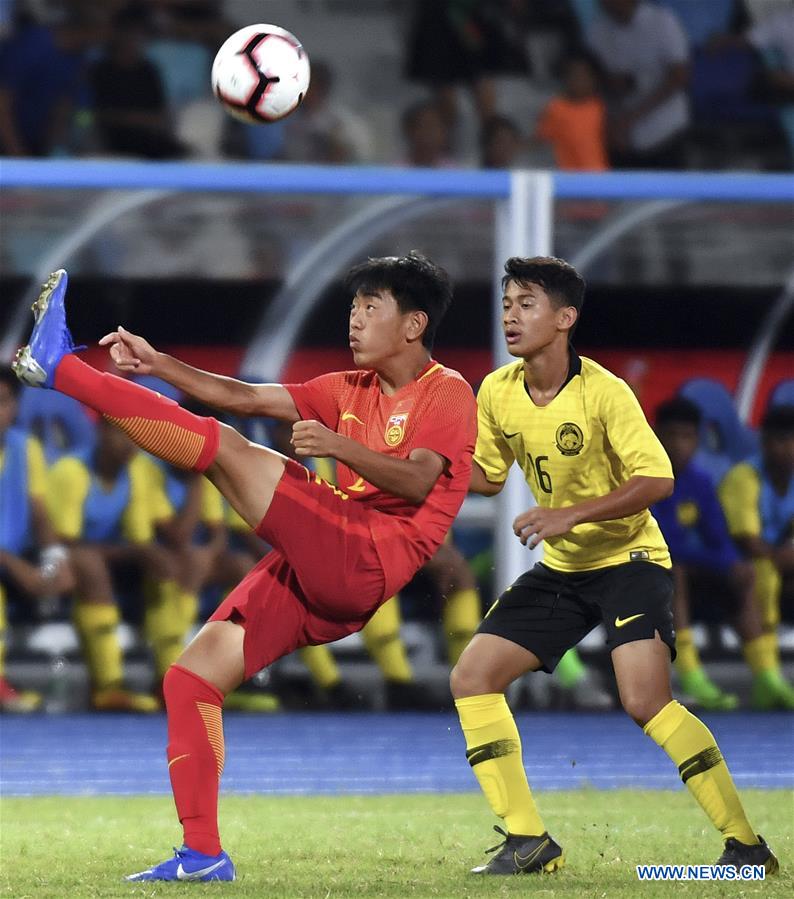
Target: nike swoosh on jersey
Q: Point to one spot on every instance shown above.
(182, 874)
(526, 862)
(619, 622)
(358, 487)
(510, 436)
(349, 416)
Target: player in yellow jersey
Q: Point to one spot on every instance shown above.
(24, 527)
(594, 466)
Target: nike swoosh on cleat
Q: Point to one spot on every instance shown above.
(526, 862)
(619, 622)
(182, 874)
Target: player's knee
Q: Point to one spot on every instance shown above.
(641, 708)
(465, 680)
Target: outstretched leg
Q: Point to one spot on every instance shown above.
(245, 473)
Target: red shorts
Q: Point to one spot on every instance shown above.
(324, 578)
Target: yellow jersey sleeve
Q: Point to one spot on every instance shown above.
(740, 492)
(160, 506)
(139, 517)
(37, 470)
(211, 504)
(492, 451)
(69, 482)
(630, 436)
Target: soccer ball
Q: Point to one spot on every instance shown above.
(261, 73)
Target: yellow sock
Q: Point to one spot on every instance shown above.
(164, 624)
(97, 626)
(381, 636)
(460, 619)
(762, 654)
(493, 749)
(690, 744)
(768, 584)
(687, 658)
(322, 665)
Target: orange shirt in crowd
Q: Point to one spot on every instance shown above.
(576, 129)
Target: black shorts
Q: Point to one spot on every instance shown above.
(548, 611)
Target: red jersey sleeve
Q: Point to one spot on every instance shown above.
(449, 425)
(319, 398)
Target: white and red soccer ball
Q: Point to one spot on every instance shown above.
(261, 73)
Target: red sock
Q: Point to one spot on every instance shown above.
(195, 755)
(156, 423)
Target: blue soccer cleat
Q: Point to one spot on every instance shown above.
(189, 865)
(50, 340)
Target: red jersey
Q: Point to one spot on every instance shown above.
(435, 411)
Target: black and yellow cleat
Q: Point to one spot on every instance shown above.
(523, 855)
(737, 854)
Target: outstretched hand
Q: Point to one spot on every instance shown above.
(130, 352)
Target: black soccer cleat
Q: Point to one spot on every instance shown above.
(523, 855)
(737, 854)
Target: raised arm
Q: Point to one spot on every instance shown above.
(134, 354)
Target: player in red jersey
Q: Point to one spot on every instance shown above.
(402, 429)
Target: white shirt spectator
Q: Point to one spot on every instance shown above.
(776, 33)
(330, 133)
(645, 48)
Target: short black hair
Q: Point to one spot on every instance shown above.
(11, 381)
(496, 123)
(411, 114)
(564, 286)
(678, 410)
(778, 420)
(414, 281)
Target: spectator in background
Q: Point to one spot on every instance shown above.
(643, 51)
(24, 528)
(426, 136)
(464, 43)
(129, 100)
(574, 123)
(758, 499)
(501, 143)
(41, 72)
(323, 129)
(706, 562)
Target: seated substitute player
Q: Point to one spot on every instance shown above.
(24, 526)
(707, 563)
(402, 429)
(758, 499)
(594, 466)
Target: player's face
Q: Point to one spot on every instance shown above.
(378, 328)
(530, 320)
(8, 408)
(779, 453)
(680, 440)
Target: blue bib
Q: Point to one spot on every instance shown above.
(103, 510)
(14, 499)
(777, 512)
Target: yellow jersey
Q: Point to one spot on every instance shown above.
(591, 438)
(36, 467)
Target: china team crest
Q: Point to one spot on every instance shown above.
(395, 428)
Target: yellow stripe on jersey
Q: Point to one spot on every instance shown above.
(591, 438)
(740, 492)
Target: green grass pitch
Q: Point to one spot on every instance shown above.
(395, 847)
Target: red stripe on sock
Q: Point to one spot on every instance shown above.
(154, 422)
(195, 755)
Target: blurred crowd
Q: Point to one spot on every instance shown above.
(665, 84)
(93, 532)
